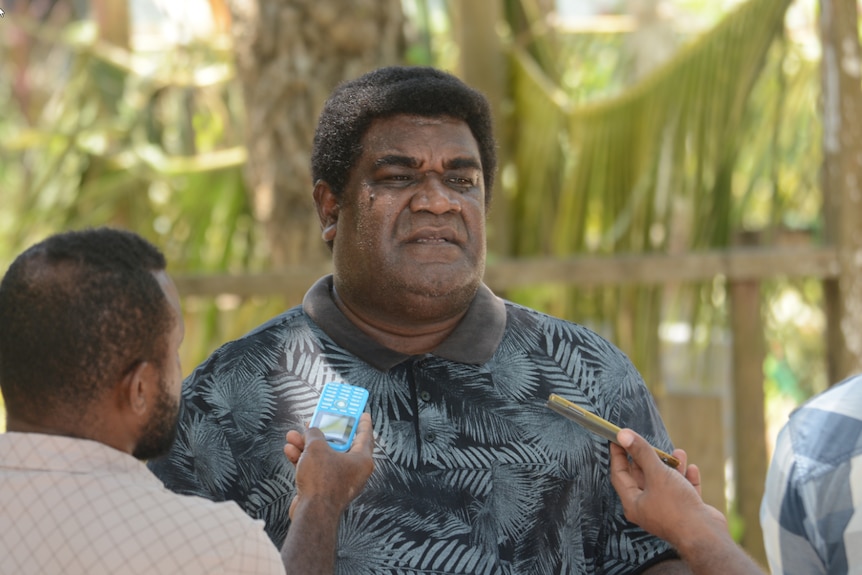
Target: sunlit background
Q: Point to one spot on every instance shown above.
(636, 127)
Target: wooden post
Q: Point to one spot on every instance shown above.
(112, 18)
(841, 103)
(749, 425)
(483, 66)
(695, 423)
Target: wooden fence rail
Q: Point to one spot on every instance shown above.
(500, 275)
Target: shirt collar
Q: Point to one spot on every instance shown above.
(473, 341)
(68, 454)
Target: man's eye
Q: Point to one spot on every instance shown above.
(462, 181)
(396, 178)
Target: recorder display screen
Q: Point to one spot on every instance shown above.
(335, 427)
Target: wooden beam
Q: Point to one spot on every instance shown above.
(740, 263)
(501, 275)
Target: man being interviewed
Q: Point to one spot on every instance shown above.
(473, 474)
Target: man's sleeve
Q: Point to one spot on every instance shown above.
(783, 516)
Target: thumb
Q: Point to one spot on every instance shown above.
(312, 435)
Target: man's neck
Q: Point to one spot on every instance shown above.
(414, 339)
(23, 425)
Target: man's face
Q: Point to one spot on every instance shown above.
(411, 223)
(160, 431)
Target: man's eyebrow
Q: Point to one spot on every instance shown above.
(462, 162)
(410, 162)
(396, 160)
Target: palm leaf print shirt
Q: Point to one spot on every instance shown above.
(473, 473)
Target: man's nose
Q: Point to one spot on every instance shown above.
(433, 195)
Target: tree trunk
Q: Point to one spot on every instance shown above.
(290, 54)
(842, 182)
(483, 66)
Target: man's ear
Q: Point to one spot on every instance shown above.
(138, 388)
(327, 206)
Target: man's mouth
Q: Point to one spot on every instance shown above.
(433, 240)
(433, 237)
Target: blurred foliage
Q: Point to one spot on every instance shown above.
(722, 138)
(94, 134)
(703, 149)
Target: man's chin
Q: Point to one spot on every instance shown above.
(156, 441)
(459, 287)
(153, 450)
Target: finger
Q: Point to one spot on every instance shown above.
(363, 441)
(682, 457)
(292, 507)
(313, 435)
(619, 459)
(621, 475)
(292, 453)
(295, 438)
(692, 473)
(641, 452)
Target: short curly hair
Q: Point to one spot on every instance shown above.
(389, 91)
(79, 310)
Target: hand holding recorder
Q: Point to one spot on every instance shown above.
(326, 482)
(337, 425)
(668, 504)
(323, 472)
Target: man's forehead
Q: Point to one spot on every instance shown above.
(389, 134)
(416, 119)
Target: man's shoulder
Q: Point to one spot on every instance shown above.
(522, 318)
(282, 323)
(826, 432)
(839, 405)
(844, 398)
(267, 337)
(186, 524)
(227, 514)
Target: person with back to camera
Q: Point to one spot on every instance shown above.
(90, 376)
(811, 513)
(473, 474)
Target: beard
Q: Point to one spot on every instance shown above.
(161, 430)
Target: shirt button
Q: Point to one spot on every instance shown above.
(430, 437)
(424, 396)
